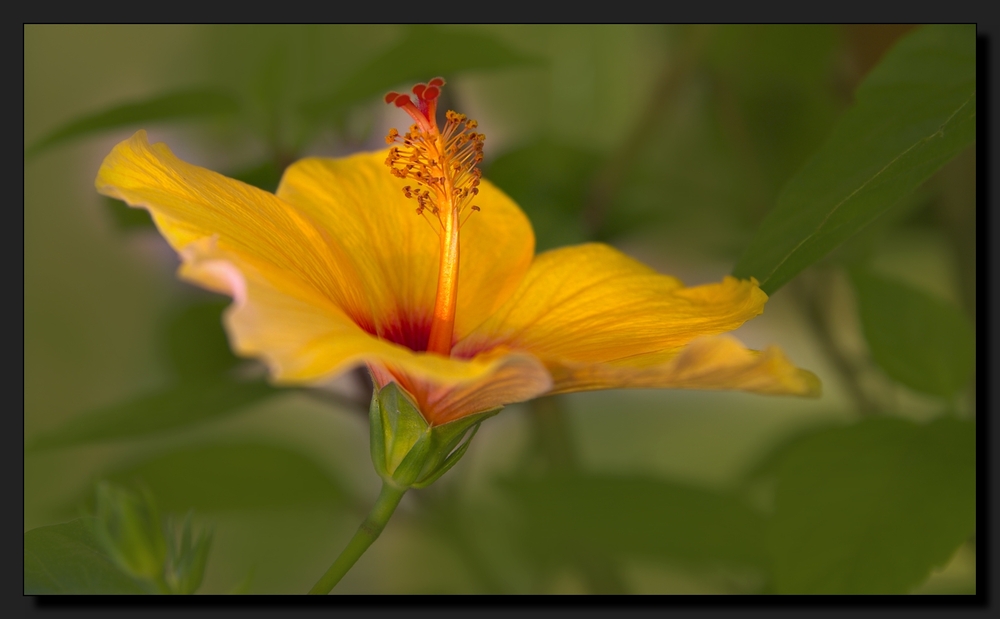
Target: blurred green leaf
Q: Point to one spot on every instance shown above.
(919, 340)
(243, 587)
(228, 476)
(914, 112)
(265, 176)
(425, 52)
(874, 507)
(198, 352)
(170, 106)
(768, 464)
(174, 408)
(67, 558)
(196, 344)
(774, 52)
(773, 97)
(637, 516)
(127, 218)
(549, 181)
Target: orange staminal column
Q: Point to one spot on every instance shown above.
(443, 325)
(443, 164)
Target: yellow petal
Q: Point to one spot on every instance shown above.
(593, 304)
(305, 339)
(719, 362)
(396, 251)
(189, 203)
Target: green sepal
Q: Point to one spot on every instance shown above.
(452, 458)
(407, 451)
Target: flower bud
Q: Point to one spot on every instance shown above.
(128, 527)
(408, 452)
(186, 560)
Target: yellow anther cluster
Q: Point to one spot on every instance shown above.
(443, 164)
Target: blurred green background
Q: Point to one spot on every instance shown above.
(672, 143)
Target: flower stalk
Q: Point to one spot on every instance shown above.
(407, 452)
(366, 534)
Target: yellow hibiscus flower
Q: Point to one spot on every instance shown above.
(336, 270)
(446, 301)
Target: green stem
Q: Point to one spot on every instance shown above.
(367, 533)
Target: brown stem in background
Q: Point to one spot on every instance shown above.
(866, 44)
(610, 177)
(956, 213)
(813, 301)
(548, 418)
(735, 124)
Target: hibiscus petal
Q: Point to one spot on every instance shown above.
(396, 251)
(513, 377)
(306, 340)
(600, 320)
(188, 203)
(719, 362)
(591, 303)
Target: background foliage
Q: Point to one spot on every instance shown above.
(834, 164)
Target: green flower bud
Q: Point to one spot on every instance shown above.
(128, 527)
(408, 452)
(186, 560)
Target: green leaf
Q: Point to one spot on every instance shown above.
(767, 464)
(919, 340)
(874, 507)
(170, 106)
(127, 218)
(914, 112)
(196, 344)
(67, 558)
(637, 516)
(198, 351)
(228, 476)
(425, 52)
(173, 408)
(549, 181)
(264, 176)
